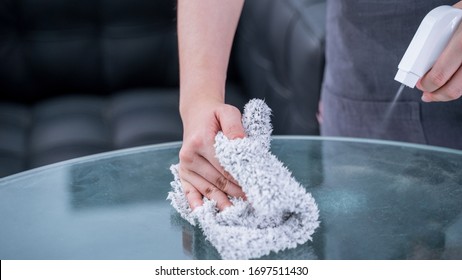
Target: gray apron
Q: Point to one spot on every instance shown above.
(365, 42)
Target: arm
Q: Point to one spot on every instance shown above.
(205, 33)
(444, 81)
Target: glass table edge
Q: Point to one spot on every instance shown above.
(371, 141)
(177, 144)
(93, 157)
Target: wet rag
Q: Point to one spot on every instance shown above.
(278, 213)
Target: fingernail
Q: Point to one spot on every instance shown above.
(195, 205)
(236, 136)
(225, 205)
(426, 98)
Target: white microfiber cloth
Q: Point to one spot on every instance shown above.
(278, 213)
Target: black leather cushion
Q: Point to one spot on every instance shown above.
(14, 127)
(76, 70)
(78, 125)
(139, 117)
(68, 127)
(280, 53)
(72, 126)
(60, 63)
(53, 47)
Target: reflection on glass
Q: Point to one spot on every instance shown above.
(118, 181)
(196, 246)
(377, 200)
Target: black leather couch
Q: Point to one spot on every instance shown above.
(79, 77)
(280, 57)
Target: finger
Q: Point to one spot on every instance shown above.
(193, 196)
(210, 156)
(450, 91)
(231, 179)
(230, 120)
(207, 189)
(207, 166)
(445, 66)
(222, 181)
(458, 5)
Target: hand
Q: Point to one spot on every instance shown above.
(444, 81)
(205, 34)
(200, 173)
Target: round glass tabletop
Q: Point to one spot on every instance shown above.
(377, 200)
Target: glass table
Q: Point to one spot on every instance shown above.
(377, 200)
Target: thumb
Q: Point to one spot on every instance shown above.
(230, 120)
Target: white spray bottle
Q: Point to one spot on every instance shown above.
(429, 41)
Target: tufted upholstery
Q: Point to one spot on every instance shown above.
(79, 77)
(53, 46)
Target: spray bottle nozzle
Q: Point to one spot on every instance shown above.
(407, 78)
(428, 43)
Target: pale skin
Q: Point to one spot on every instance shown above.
(205, 32)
